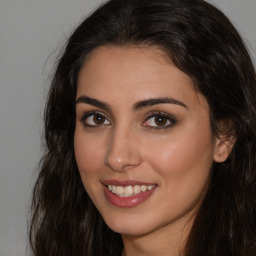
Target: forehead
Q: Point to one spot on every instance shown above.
(113, 60)
(133, 73)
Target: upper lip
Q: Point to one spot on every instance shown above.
(125, 183)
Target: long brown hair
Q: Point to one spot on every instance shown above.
(201, 42)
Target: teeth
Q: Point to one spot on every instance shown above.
(129, 190)
(137, 189)
(143, 188)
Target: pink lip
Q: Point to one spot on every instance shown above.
(126, 202)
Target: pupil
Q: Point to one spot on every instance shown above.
(161, 121)
(98, 119)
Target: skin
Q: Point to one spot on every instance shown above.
(129, 144)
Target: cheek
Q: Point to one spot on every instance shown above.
(183, 164)
(187, 153)
(88, 154)
(89, 160)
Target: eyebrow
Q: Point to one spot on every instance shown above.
(94, 102)
(151, 102)
(137, 106)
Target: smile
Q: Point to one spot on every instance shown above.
(129, 191)
(126, 194)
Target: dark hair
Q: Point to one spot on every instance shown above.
(202, 43)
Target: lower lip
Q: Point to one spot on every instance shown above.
(127, 202)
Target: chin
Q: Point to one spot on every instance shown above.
(131, 226)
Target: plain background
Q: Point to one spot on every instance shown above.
(31, 32)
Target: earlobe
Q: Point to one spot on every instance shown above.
(224, 142)
(223, 149)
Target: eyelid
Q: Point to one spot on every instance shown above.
(91, 113)
(170, 117)
(149, 115)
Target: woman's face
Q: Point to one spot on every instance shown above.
(143, 142)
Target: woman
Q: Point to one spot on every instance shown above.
(150, 136)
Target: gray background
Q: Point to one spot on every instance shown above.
(31, 32)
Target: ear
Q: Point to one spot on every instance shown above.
(225, 141)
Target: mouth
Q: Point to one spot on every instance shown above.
(127, 193)
(130, 190)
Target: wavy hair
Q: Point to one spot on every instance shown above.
(201, 42)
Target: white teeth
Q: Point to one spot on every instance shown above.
(143, 188)
(129, 190)
(137, 189)
(120, 190)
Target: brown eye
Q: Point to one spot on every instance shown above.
(161, 120)
(98, 119)
(95, 119)
(158, 121)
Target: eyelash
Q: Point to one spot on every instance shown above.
(158, 114)
(91, 114)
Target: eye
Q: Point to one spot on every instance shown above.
(95, 119)
(159, 121)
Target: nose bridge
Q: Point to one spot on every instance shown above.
(123, 149)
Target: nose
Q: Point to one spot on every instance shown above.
(123, 151)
